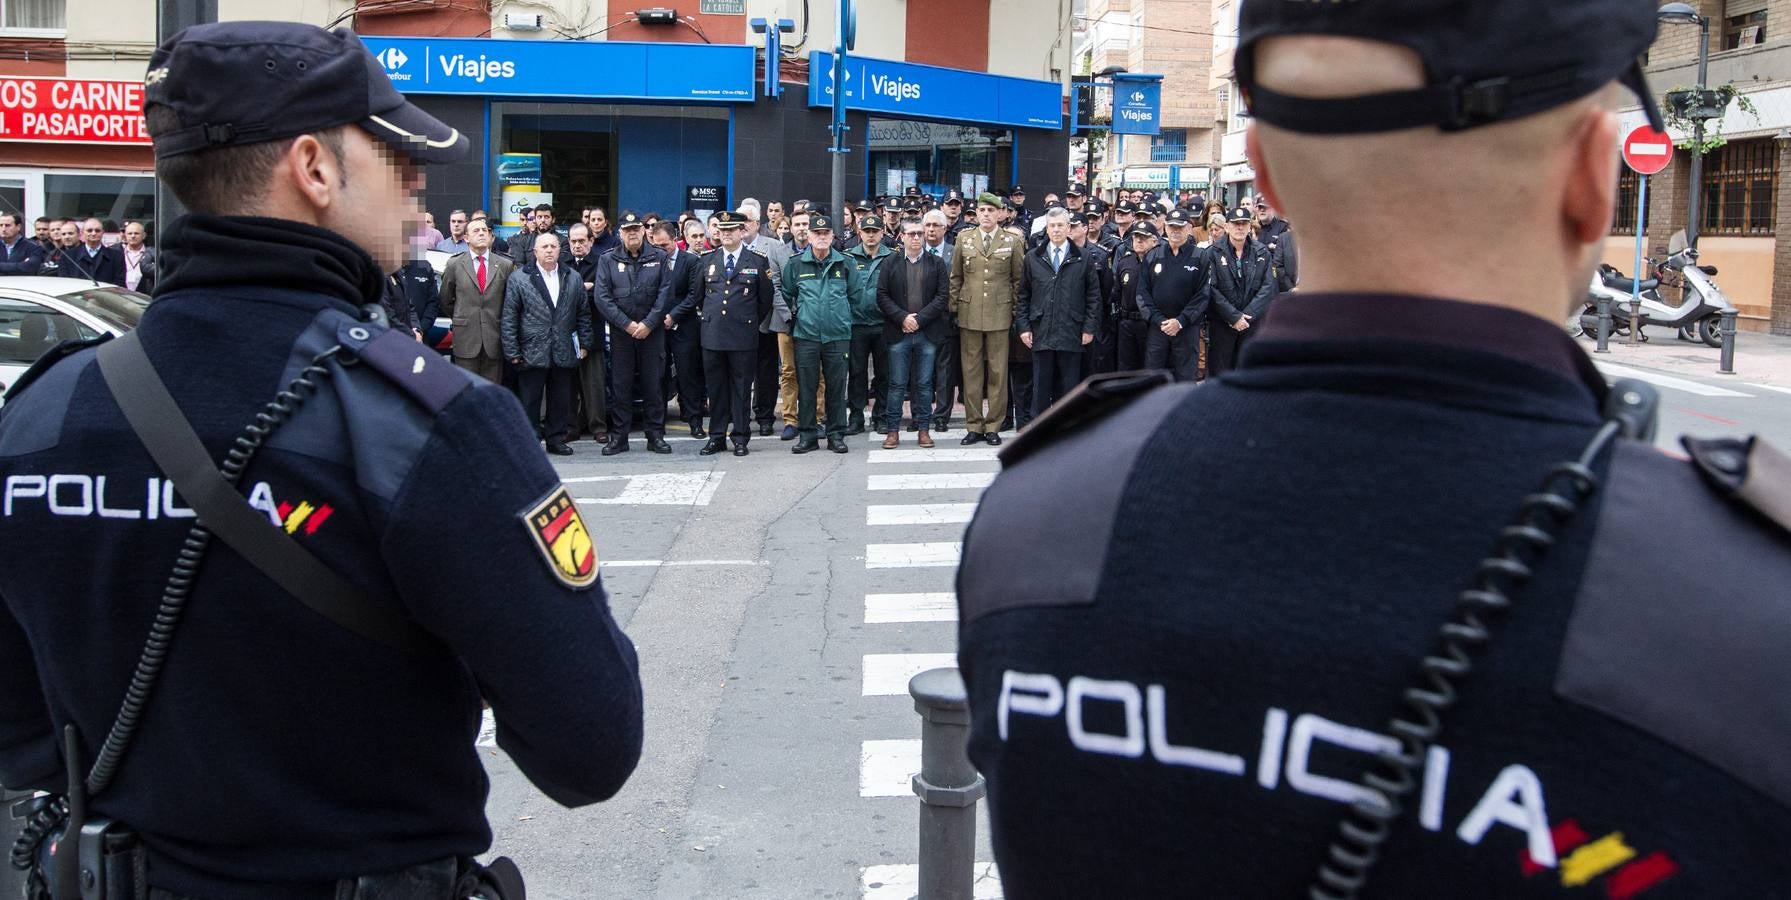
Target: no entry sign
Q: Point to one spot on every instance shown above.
(71, 111)
(1647, 151)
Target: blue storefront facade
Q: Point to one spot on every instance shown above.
(642, 125)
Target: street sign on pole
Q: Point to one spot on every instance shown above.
(1647, 151)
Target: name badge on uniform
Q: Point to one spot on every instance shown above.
(621, 267)
(1158, 270)
(1126, 278)
(746, 271)
(649, 265)
(711, 270)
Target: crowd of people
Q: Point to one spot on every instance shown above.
(77, 248)
(895, 310)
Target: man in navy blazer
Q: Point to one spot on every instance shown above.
(92, 259)
(19, 255)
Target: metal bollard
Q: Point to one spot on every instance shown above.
(1635, 322)
(1727, 364)
(1604, 325)
(948, 786)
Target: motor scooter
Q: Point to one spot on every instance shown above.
(1698, 313)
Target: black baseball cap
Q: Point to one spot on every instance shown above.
(1078, 219)
(1179, 216)
(863, 206)
(1126, 206)
(1241, 214)
(1485, 62)
(236, 83)
(1076, 190)
(1144, 228)
(954, 196)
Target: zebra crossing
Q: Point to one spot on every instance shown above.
(925, 497)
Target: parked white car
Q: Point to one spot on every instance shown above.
(37, 313)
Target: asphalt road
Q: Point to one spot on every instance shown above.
(779, 604)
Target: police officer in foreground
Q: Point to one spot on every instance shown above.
(303, 724)
(1411, 502)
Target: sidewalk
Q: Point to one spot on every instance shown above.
(1759, 358)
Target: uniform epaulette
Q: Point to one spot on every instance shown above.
(1749, 471)
(1093, 400)
(421, 373)
(51, 357)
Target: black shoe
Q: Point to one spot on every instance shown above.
(559, 449)
(941, 426)
(739, 449)
(913, 425)
(993, 440)
(765, 429)
(838, 445)
(657, 444)
(614, 447)
(856, 428)
(971, 437)
(712, 448)
(806, 445)
(696, 431)
(1006, 425)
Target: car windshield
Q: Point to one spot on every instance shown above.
(115, 306)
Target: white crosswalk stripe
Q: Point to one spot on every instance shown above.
(887, 768)
(923, 555)
(903, 883)
(934, 457)
(920, 514)
(892, 609)
(888, 674)
(931, 481)
(1668, 381)
(656, 489)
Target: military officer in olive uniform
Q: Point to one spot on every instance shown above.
(985, 274)
(735, 294)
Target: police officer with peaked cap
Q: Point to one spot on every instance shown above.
(1365, 617)
(734, 295)
(385, 546)
(633, 294)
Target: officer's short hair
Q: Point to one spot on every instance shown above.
(572, 233)
(225, 180)
(933, 217)
(546, 235)
(1056, 213)
(665, 227)
(544, 208)
(13, 216)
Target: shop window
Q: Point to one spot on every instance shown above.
(33, 15)
(937, 157)
(1744, 30)
(1628, 183)
(1169, 146)
(1741, 183)
(112, 199)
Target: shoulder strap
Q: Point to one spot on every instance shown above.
(176, 449)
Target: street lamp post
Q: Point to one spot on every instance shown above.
(1686, 14)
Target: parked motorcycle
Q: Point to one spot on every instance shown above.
(1698, 313)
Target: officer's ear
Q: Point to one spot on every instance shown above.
(1589, 192)
(315, 166)
(1265, 179)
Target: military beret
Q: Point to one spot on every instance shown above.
(988, 198)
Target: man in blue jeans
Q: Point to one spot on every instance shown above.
(913, 293)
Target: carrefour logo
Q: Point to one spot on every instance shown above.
(1137, 96)
(393, 59)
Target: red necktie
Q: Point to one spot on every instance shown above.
(481, 274)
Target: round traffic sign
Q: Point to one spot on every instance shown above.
(1647, 151)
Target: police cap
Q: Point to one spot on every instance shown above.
(1078, 219)
(1241, 214)
(954, 196)
(1077, 189)
(820, 222)
(1016, 191)
(235, 83)
(1142, 229)
(631, 219)
(862, 206)
(1126, 206)
(1095, 207)
(1179, 216)
(1485, 62)
(727, 219)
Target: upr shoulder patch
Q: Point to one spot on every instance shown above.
(559, 533)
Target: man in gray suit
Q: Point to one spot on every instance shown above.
(472, 295)
(948, 377)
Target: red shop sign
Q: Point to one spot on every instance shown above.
(72, 111)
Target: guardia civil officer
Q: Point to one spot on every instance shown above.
(734, 295)
(1173, 294)
(1243, 286)
(396, 550)
(1188, 615)
(634, 292)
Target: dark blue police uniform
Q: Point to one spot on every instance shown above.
(635, 287)
(286, 751)
(1177, 672)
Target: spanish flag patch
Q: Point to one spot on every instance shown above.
(560, 534)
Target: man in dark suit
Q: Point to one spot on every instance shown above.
(546, 331)
(913, 291)
(472, 296)
(92, 259)
(19, 255)
(1243, 288)
(733, 296)
(684, 346)
(591, 405)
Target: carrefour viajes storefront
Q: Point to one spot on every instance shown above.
(666, 127)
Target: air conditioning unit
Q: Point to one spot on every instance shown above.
(524, 21)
